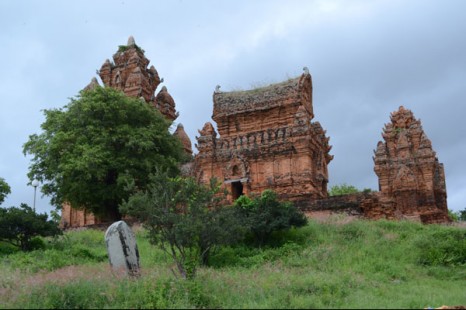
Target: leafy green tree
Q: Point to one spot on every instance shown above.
(265, 215)
(4, 190)
(462, 215)
(185, 219)
(93, 147)
(344, 189)
(454, 216)
(367, 190)
(18, 226)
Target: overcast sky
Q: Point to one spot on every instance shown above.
(366, 59)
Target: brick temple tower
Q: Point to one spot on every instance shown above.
(129, 73)
(266, 140)
(411, 179)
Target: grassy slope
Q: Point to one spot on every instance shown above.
(323, 265)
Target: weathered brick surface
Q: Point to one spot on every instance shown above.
(266, 140)
(411, 179)
(348, 204)
(129, 73)
(71, 217)
(185, 141)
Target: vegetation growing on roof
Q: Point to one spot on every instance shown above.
(124, 48)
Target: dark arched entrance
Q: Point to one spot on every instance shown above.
(236, 190)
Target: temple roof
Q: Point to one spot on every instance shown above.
(263, 98)
(165, 103)
(131, 41)
(164, 97)
(92, 85)
(404, 132)
(403, 118)
(181, 134)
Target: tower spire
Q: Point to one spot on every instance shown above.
(131, 41)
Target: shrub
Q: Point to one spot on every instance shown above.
(72, 248)
(344, 189)
(459, 215)
(185, 219)
(442, 247)
(454, 216)
(265, 215)
(7, 248)
(18, 226)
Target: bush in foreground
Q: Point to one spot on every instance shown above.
(19, 227)
(185, 219)
(264, 215)
(72, 248)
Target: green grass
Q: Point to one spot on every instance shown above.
(361, 264)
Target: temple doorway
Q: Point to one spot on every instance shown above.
(236, 190)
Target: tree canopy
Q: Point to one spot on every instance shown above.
(345, 189)
(4, 190)
(90, 149)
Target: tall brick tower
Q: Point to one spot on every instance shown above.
(411, 179)
(129, 73)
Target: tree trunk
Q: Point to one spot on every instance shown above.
(181, 270)
(111, 213)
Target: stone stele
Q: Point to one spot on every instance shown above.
(122, 249)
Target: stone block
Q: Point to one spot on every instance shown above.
(122, 249)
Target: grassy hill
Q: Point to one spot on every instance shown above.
(360, 264)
